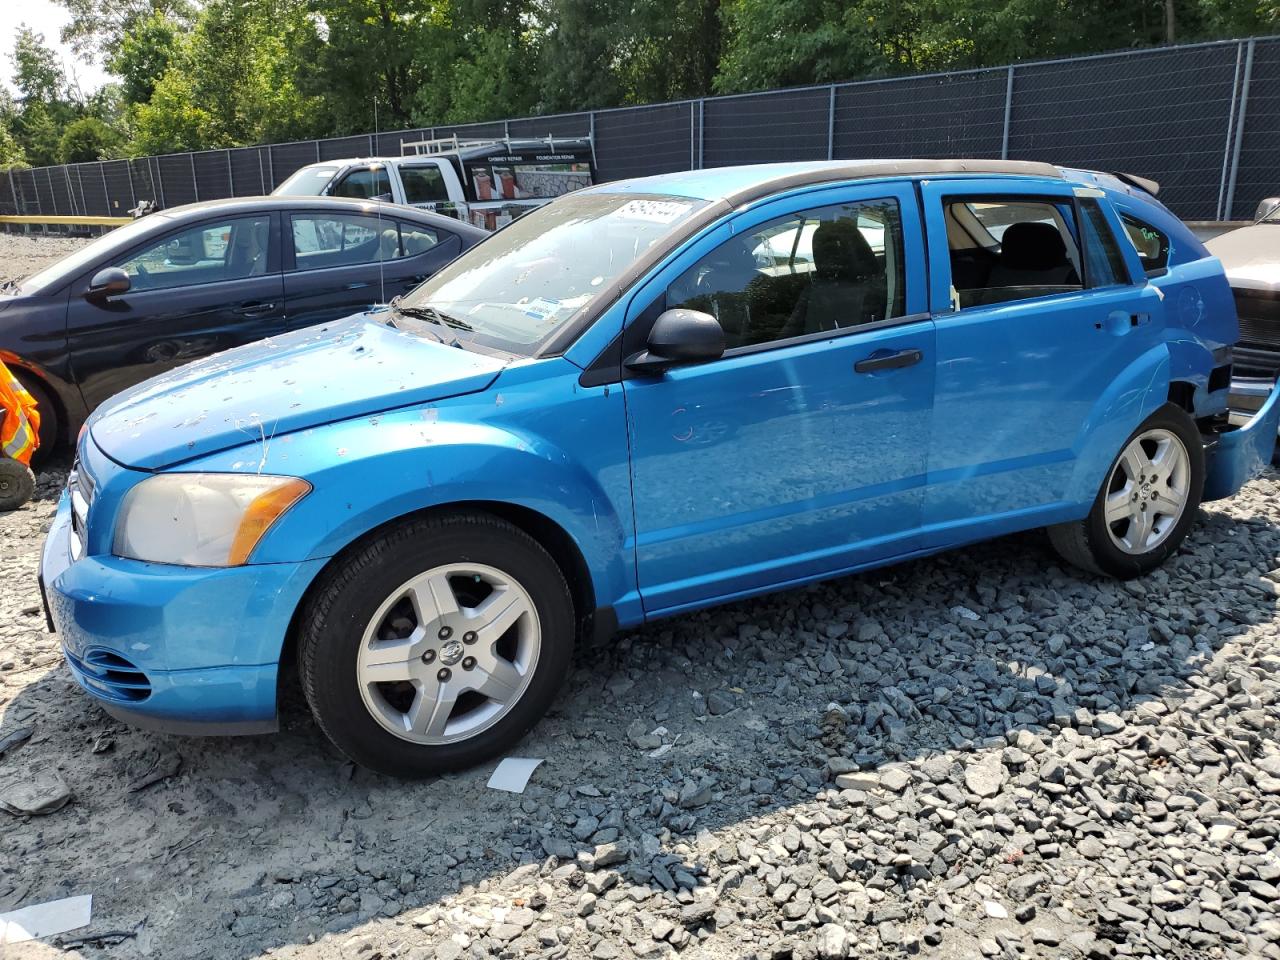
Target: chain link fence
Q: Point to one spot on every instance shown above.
(1202, 119)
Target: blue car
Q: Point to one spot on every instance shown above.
(644, 398)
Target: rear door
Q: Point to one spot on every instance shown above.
(198, 289)
(1038, 313)
(339, 263)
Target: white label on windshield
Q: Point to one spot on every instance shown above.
(541, 308)
(655, 211)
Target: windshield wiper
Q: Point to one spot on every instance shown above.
(432, 315)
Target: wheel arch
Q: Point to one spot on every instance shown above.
(29, 374)
(595, 623)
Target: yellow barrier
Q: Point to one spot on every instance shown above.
(72, 221)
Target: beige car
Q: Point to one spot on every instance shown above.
(1251, 258)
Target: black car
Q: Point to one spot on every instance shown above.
(193, 280)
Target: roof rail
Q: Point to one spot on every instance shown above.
(439, 145)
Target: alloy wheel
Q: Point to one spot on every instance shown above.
(449, 653)
(1147, 492)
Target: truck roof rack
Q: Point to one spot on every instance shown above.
(424, 148)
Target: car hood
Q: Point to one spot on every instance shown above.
(1250, 256)
(350, 368)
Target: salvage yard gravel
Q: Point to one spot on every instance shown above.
(982, 754)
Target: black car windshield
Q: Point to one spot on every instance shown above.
(529, 279)
(307, 182)
(64, 269)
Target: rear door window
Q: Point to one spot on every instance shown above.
(424, 184)
(1152, 244)
(342, 240)
(1006, 250)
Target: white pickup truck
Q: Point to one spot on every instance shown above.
(487, 183)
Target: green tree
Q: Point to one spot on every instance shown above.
(11, 152)
(143, 55)
(229, 82)
(98, 26)
(353, 54)
(87, 139)
(37, 73)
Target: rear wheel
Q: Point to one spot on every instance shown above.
(1147, 504)
(437, 645)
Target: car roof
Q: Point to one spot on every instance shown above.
(238, 205)
(745, 183)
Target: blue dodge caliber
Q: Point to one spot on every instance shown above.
(644, 398)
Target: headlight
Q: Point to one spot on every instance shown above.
(202, 519)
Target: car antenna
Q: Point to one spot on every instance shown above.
(382, 270)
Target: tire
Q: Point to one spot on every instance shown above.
(17, 484)
(1124, 548)
(50, 422)
(370, 651)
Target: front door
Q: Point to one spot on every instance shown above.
(198, 290)
(801, 452)
(1038, 312)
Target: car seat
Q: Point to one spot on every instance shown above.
(1033, 254)
(248, 256)
(848, 286)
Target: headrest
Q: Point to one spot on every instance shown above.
(841, 252)
(1031, 245)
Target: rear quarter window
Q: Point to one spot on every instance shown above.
(1152, 244)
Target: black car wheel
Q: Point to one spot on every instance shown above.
(436, 645)
(1147, 503)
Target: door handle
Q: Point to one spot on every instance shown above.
(358, 285)
(888, 361)
(257, 308)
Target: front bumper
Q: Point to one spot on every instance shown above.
(183, 649)
(1242, 451)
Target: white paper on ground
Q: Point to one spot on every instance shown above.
(513, 774)
(45, 919)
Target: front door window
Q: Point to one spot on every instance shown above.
(821, 270)
(227, 250)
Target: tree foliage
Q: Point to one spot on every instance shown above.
(198, 74)
(87, 139)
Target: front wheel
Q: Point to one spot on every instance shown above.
(437, 645)
(1147, 504)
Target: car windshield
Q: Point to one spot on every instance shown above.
(82, 257)
(307, 182)
(514, 290)
(1268, 211)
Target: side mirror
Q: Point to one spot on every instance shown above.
(680, 337)
(382, 197)
(111, 282)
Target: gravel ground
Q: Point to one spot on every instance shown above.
(22, 255)
(980, 754)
